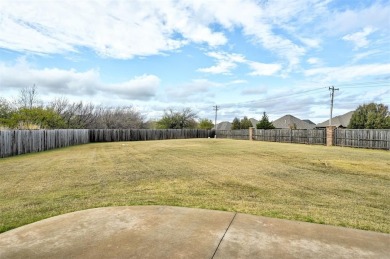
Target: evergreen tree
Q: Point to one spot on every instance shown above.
(264, 123)
(246, 123)
(370, 116)
(236, 124)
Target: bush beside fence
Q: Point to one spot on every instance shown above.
(17, 142)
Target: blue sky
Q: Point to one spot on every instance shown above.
(245, 56)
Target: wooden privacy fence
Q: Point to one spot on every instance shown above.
(363, 138)
(233, 134)
(303, 136)
(17, 142)
(317, 136)
(109, 135)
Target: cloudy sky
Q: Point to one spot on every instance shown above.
(246, 56)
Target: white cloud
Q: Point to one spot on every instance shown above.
(51, 79)
(262, 69)
(349, 20)
(359, 38)
(314, 61)
(124, 29)
(198, 90)
(114, 29)
(228, 61)
(284, 47)
(349, 73)
(141, 87)
(363, 55)
(74, 83)
(254, 90)
(310, 42)
(238, 81)
(288, 17)
(225, 62)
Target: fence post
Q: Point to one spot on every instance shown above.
(251, 133)
(330, 131)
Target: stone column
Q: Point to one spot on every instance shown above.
(251, 133)
(330, 135)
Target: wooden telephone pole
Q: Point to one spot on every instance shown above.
(332, 89)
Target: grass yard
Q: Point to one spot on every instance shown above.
(328, 185)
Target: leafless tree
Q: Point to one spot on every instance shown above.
(28, 98)
(59, 105)
(121, 118)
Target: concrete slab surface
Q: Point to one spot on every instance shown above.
(175, 232)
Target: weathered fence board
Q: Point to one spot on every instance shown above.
(303, 136)
(315, 136)
(363, 138)
(233, 134)
(110, 135)
(17, 142)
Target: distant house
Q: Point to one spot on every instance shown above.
(340, 121)
(291, 122)
(225, 125)
(254, 122)
(309, 121)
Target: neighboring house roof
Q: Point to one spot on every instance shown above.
(254, 122)
(309, 121)
(288, 122)
(225, 125)
(338, 121)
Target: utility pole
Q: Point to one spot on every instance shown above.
(332, 89)
(216, 108)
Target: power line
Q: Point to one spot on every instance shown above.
(308, 92)
(369, 84)
(301, 93)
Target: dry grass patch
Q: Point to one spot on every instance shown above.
(336, 186)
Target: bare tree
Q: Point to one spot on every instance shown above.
(59, 105)
(28, 97)
(121, 118)
(79, 115)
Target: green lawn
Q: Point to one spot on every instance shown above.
(329, 185)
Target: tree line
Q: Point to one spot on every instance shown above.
(370, 116)
(246, 123)
(27, 111)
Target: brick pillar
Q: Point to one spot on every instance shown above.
(330, 135)
(251, 133)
